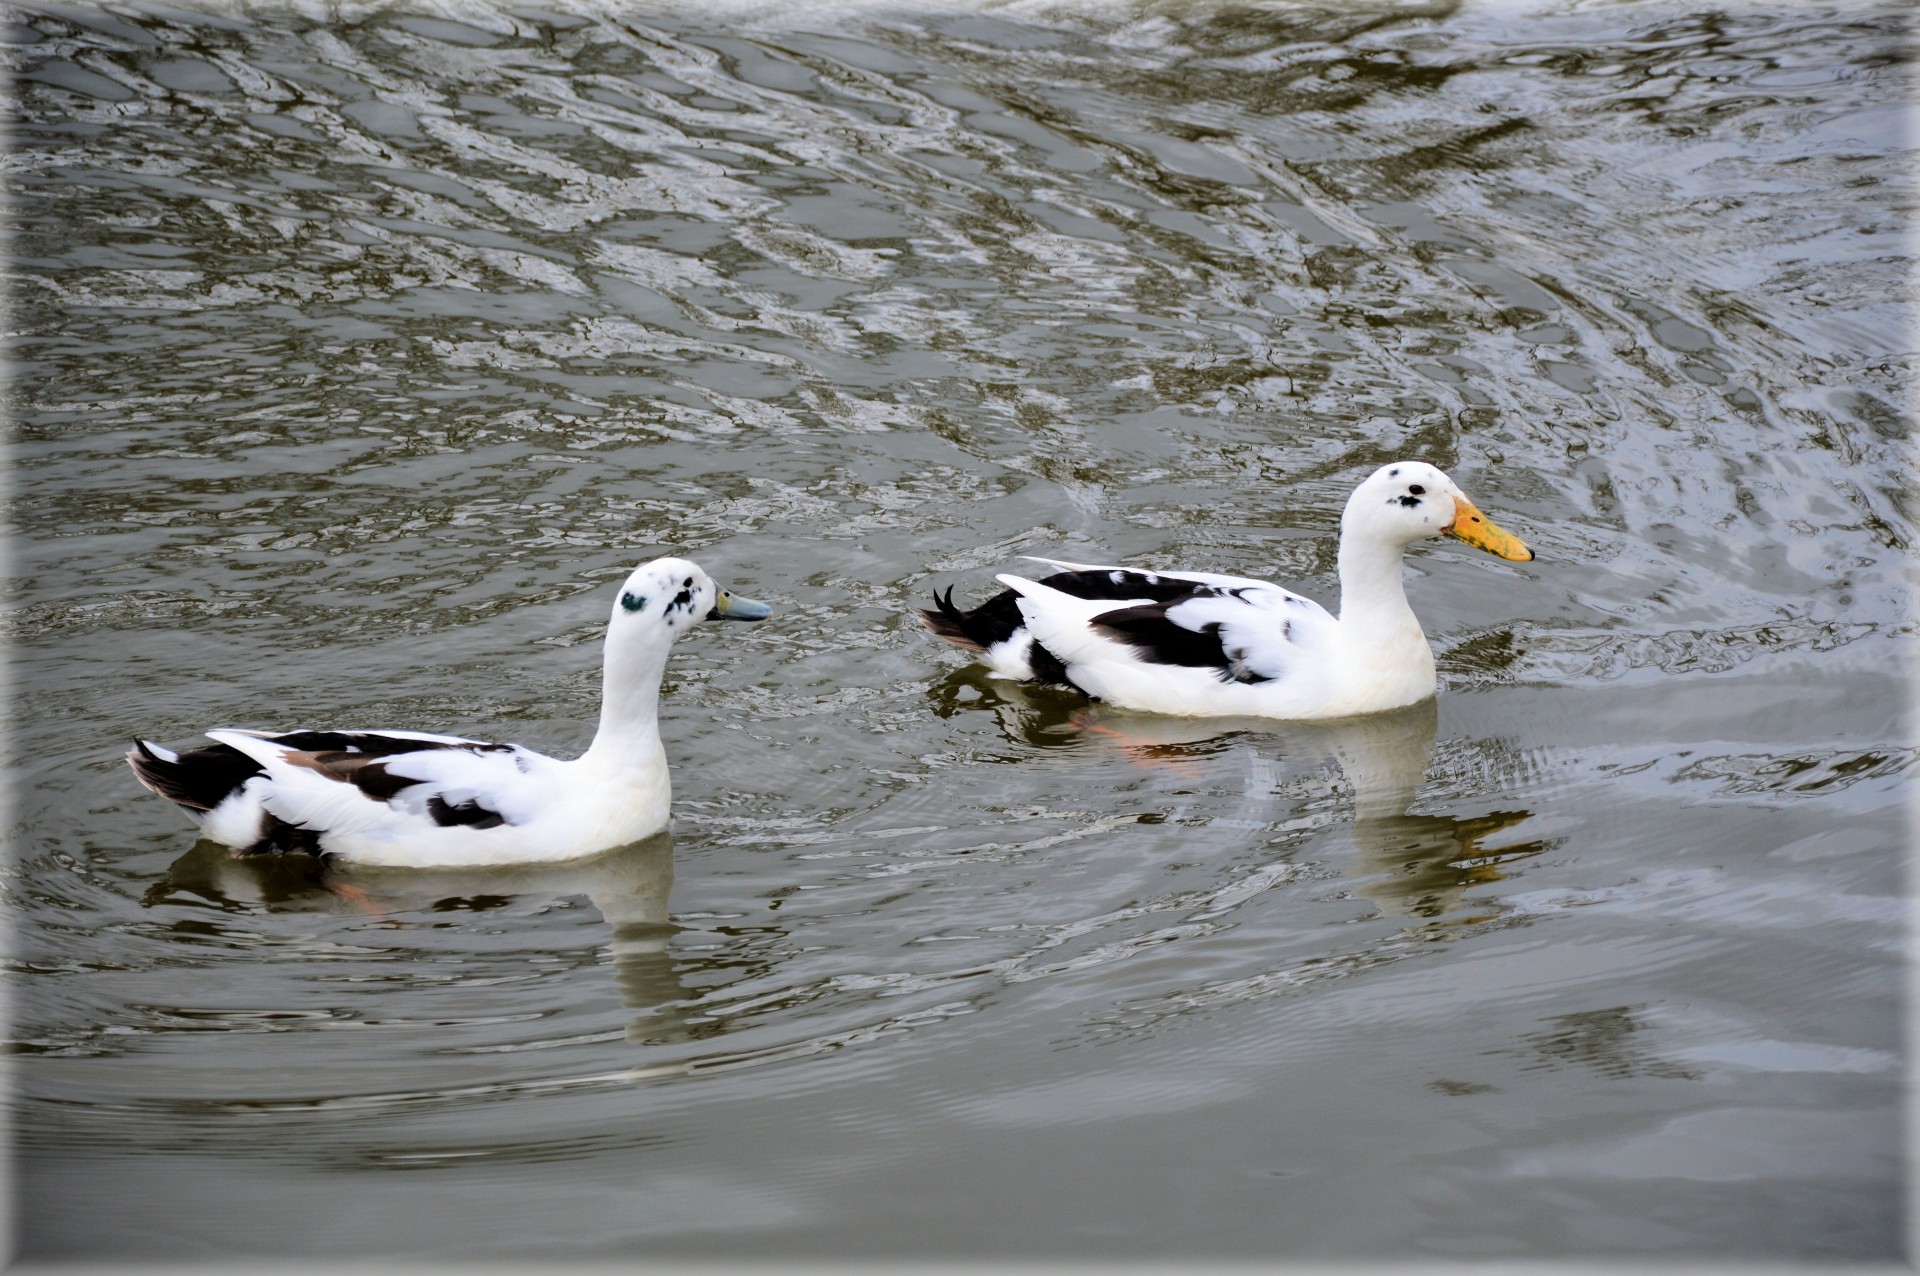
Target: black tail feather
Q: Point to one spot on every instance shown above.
(198, 780)
(950, 623)
(993, 621)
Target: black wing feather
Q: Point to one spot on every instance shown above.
(1145, 626)
(446, 813)
(201, 779)
(999, 618)
(1158, 639)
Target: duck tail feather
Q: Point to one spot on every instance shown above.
(198, 780)
(949, 623)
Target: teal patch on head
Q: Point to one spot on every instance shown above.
(633, 602)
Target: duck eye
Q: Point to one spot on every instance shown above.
(1417, 490)
(633, 602)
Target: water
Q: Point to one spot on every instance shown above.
(360, 350)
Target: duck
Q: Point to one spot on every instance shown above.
(1200, 644)
(413, 799)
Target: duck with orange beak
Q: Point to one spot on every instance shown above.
(1205, 645)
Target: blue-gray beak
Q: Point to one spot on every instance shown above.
(733, 607)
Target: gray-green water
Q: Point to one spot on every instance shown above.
(358, 351)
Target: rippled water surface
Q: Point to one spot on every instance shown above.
(360, 349)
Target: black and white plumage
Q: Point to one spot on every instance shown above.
(417, 799)
(1203, 644)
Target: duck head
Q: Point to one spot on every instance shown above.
(1406, 501)
(669, 596)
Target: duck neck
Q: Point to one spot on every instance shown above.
(1373, 596)
(629, 734)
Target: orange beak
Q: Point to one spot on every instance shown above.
(1477, 530)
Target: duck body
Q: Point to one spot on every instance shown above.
(1202, 644)
(414, 799)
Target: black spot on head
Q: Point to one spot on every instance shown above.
(633, 602)
(1394, 473)
(1411, 502)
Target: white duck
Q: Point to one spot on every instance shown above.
(410, 799)
(1199, 644)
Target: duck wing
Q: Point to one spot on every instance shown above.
(1188, 638)
(1121, 578)
(389, 784)
(999, 630)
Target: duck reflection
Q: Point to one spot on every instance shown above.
(1414, 865)
(1407, 864)
(628, 886)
